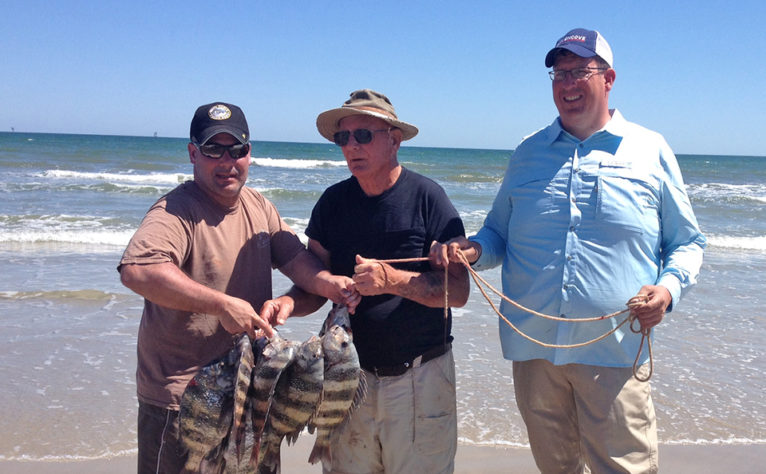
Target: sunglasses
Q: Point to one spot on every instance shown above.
(361, 135)
(216, 151)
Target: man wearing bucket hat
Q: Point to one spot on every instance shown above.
(592, 211)
(407, 421)
(202, 259)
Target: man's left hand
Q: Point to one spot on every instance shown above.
(651, 313)
(277, 311)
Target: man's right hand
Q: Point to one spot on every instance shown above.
(239, 316)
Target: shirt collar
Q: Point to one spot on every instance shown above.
(615, 126)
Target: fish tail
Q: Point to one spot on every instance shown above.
(293, 437)
(321, 451)
(192, 463)
(269, 462)
(255, 454)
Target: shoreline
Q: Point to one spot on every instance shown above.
(470, 459)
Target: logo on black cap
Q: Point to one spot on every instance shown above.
(219, 112)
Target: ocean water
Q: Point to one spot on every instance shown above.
(69, 204)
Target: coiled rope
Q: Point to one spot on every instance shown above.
(632, 303)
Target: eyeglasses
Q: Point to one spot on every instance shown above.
(578, 74)
(361, 135)
(215, 150)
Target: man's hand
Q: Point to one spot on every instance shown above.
(443, 253)
(277, 311)
(371, 276)
(166, 285)
(239, 316)
(651, 313)
(341, 290)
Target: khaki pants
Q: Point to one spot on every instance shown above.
(406, 424)
(582, 417)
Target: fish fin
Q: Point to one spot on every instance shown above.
(240, 434)
(241, 401)
(292, 437)
(213, 462)
(321, 453)
(361, 392)
(192, 464)
(310, 426)
(254, 455)
(269, 462)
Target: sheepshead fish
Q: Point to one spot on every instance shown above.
(206, 413)
(275, 355)
(342, 389)
(338, 316)
(243, 380)
(233, 452)
(295, 401)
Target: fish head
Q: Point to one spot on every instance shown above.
(310, 352)
(337, 344)
(277, 350)
(260, 344)
(338, 316)
(217, 375)
(243, 343)
(269, 347)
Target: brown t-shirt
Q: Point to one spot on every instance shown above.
(232, 250)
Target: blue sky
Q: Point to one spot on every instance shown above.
(468, 74)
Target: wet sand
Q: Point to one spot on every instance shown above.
(675, 459)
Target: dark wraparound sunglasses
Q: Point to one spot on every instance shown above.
(361, 135)
(216, 151)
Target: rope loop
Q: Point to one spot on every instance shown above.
(646, 334)
(632, 303)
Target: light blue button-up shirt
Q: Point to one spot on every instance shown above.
(580, 227)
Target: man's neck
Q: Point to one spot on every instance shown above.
(377, 185)
(582, 132)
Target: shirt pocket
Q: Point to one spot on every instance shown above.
(529, 201)
(627, 205)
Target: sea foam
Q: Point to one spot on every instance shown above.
(296, 164)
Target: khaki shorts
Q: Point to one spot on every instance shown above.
(406, 424)
(583, 418)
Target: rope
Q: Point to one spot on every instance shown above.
(632, 303)
(446, 284)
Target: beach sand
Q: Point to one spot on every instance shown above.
(674, 459)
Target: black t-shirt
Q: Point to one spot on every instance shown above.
(400, 223)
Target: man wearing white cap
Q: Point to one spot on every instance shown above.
(407, 422)
(592, 212)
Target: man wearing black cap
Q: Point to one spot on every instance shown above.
(407, 423)
(592, 212)
(202, 258)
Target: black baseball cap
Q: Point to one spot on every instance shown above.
(218, 117)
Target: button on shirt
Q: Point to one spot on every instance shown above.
(580, 227)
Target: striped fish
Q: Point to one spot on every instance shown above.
(275, 355)
(231, 455)
(245, 365)
(295, 401)
(206, 412)
(342, 389)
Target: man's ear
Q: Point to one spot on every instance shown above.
(192, 152)
(609, 77)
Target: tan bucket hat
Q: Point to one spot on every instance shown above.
(363, 102)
